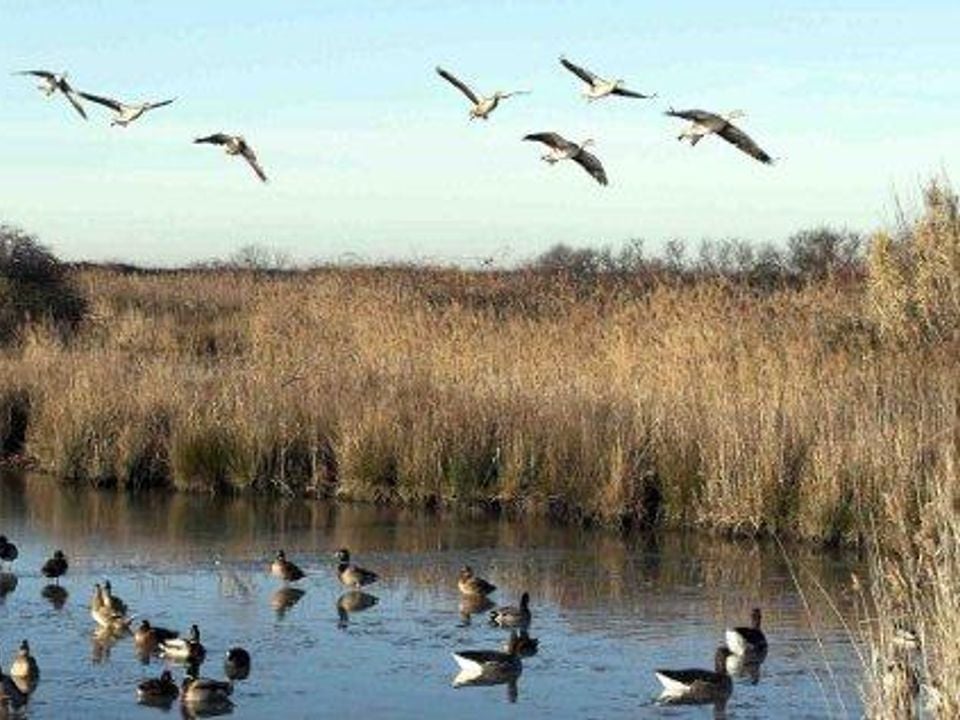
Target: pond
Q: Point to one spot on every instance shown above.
(608, 609)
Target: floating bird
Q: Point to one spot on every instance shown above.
(158, 690)
(704, 123)
(205, 691)
(188, 649)
(563, 149)
(350, 574)
(482, 106)
(236, 664)
(24, 665)
(11, 696)
(235, 145)
(698, 685)
(748, 641)
(150, 636)
(56, 566)
(511, 616)
(489, 663)
(126, 114)
(285, 569)
(53, 83)
(470, 584)
(113, 602)
(597, 87)
(8, 551)
(525, 646)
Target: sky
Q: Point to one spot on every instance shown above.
(372, 157)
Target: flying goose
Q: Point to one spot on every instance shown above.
(470, 584)
(284, 569)
(126, 114)
(513, 617)
(56, 566)
(563, 149)
(482, 106)
(56, 83)
(352, 575)
(748, 641)
(697, 685)
(598, 87)
(704, 123)
(235, 145)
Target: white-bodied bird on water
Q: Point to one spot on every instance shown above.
(598, 87)
(482, 106)
(705, 123)
(563, 149)
(53, 83)
(126, 114)
(235, 145)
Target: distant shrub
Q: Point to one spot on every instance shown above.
(34, 286)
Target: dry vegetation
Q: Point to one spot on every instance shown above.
(824, 410)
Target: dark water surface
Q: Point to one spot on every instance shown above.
(608, 610)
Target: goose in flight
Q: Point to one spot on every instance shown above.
(598, 87)
(563, 149)
(126, 114)
(704, 123)
(482, 106)
(235, 145)
(53, 83)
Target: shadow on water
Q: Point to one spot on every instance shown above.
(609, 608)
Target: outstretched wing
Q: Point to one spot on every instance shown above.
(630, 93)
(735, 136)
(251, 159)
(108, 102)
(588, 77)
(72, 97)
(592, 165)
(554, 140)
(155, 105)
(215, 139)
(699, 116)
(459, 84)
(37, 73)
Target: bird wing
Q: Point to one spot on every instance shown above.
(251, 159)
(700, 116)
(459, 84)
(108, 102)
(630, 93)
(37, 73)
(592, 165)
(154, 105)
(554, 140)
(735, 136)
(588, 77)
(215, 139)
(72, 97)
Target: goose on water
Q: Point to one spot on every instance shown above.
(236, 664)
(8, 551)
(598, 87)
(284, 569)
(126, 114)
(563, 149)
(11, 696)
(158, 690)
(24, 665)
(235, 145)
(696, 685)
(511, 616)
(471, 584)
(53, 83)
(750, 641)
(703, 123)
(113, 602)
(56, 566)
(205, 691)
(351, 575)
(150, 636)
(188, 649)
(482, 106)
(489, 663)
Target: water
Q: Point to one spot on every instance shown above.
(607, 610)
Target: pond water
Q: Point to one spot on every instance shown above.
(607, 609)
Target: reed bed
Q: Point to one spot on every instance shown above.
(825, 411)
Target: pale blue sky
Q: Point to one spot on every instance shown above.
(371, 154)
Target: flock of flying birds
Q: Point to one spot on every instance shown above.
(702, 122)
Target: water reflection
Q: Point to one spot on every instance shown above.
(56, 595)
(8, 583)
(719, 706)
(607, 605)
